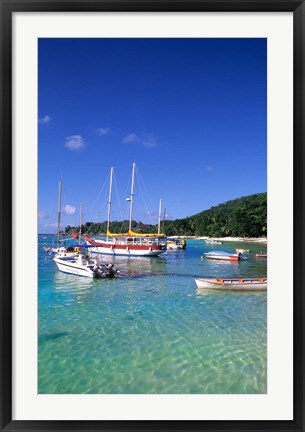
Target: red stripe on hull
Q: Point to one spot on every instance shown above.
(124, 246)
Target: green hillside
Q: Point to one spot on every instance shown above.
(242, 217)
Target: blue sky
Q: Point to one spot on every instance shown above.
(192, 114)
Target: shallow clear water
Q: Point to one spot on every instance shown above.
(150, 330)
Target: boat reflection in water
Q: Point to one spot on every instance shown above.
(140, 266)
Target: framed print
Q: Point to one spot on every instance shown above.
(152, 215)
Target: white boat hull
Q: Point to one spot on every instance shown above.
(124, 250)
(233, 284)
(67, 266)
(174, 247)
(223, 257)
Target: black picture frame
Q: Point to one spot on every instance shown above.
(7, 8)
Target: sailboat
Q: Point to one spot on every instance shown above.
(131, 243)
(60, 251)
(70, 251)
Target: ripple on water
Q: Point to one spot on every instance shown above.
(150, 330)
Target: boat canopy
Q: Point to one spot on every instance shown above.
(131, 233)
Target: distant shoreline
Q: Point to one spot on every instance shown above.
(261, 240)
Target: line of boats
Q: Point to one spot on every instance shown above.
(77, 259)
(132, 243)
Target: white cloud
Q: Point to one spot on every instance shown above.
(147, 140)
(103, 131)
(75, 142)
(44, 120)
(131, 138)
(70, 210)
(42, 214)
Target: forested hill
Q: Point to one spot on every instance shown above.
(242, 217)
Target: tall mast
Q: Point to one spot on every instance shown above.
(80, 222)
(131, 194)
(59, 211)
(159, 216)
(164, 219)
(109, 200)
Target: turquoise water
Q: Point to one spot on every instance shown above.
(150, 330)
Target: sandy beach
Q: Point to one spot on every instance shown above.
(262, 240)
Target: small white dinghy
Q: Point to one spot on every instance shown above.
(82, 265)
(220, 255)
(244, 284)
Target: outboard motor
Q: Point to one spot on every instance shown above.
(105, 270)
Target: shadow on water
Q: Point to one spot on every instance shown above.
(225, 292)
(52, 336)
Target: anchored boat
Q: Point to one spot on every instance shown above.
(64, 251)
(219, 255)
(175, 243)
(127, 244)
(131, 243)
(82, 265)
(246, 284)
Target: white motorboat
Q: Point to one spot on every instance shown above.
(245, 284)
(220, 255)
(82, 265)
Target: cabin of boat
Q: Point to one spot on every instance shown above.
(63, 251)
